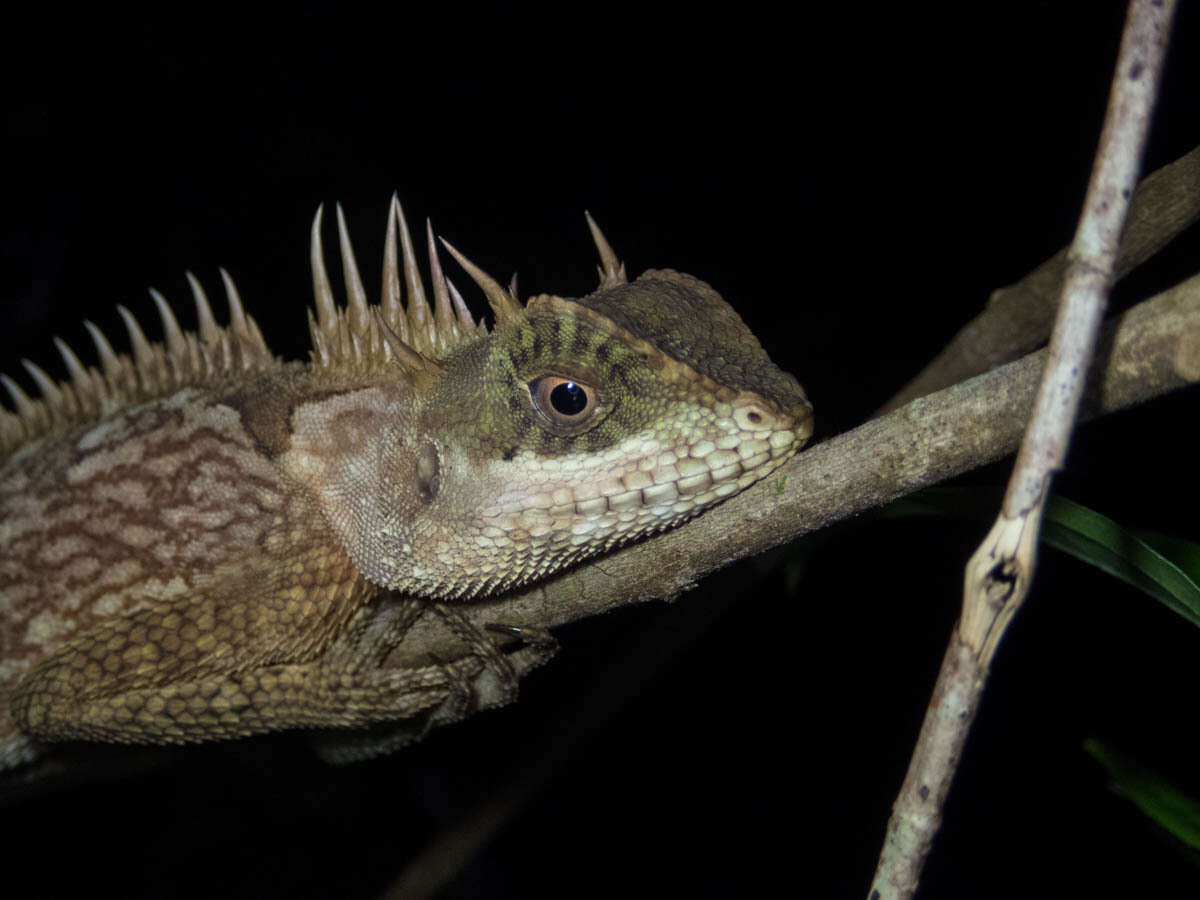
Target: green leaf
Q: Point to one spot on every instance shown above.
(1184, 553)
(1165, 567)
(1156, 797)
(1100, 541)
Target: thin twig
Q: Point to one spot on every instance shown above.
(999, 573)
(1019, 317)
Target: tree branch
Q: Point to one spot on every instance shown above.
(1152, 349)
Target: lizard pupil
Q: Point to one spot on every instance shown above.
(569, 399)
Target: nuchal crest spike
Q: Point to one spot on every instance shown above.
(611, 269)
(505, 306)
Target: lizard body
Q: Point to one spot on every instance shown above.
(198, 541)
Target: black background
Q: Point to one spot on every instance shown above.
(855, 179)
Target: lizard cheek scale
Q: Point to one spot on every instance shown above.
(198, 539)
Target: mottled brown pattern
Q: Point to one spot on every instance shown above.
(163, 583)
(162, 673)
(134, 515)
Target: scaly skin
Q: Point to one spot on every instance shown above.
(202, 542)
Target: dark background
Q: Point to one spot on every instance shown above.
(855, 179)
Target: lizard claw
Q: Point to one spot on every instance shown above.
(531, 635)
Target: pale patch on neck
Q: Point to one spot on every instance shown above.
(358, 454)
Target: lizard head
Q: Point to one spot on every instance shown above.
(571, 427)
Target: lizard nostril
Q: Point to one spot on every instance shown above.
(751, 414)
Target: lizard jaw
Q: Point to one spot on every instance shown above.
(555, 511)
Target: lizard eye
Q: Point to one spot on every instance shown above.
(564, 401)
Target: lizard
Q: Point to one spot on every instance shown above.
(201, 541)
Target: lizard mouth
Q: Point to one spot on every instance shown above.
(650, 483)
(711, 470)
(688, 485)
